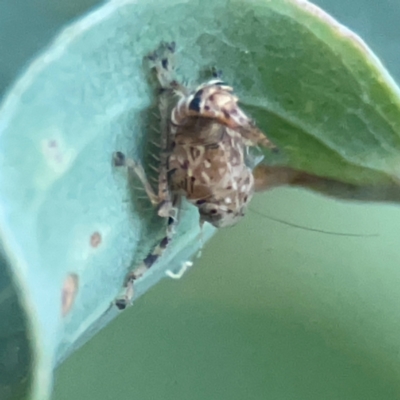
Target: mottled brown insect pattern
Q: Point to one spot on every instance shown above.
(205, 138)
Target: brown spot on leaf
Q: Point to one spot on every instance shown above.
(68, 294)
(95, 240)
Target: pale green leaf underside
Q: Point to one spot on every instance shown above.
(311, 85)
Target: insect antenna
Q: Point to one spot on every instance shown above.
(325, 232)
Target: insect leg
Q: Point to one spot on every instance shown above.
(126, 296)
(164, 193)
(121, 161)
(216, 73)
(163, 61)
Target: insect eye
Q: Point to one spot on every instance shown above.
(194, 105)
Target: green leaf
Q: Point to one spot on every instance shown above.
(71, 225)
(317, 89)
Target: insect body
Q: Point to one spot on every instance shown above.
(204, 142)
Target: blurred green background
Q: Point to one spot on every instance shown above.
(269, 311)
